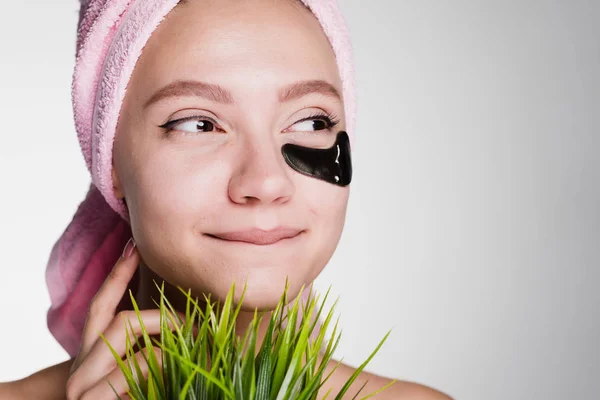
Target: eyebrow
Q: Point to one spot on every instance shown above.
(221, 95)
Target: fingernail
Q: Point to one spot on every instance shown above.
(128, 250)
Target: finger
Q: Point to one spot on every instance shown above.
(100, 360)
(105, 302)
(103, 390)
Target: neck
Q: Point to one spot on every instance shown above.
(146, 293)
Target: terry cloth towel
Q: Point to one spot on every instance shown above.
(110, 37)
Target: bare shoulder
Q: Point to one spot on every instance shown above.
(402, 390)
(10, 391)
(414, 391)
(46, 384)
(399, 390)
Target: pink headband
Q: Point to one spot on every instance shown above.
(110, 39)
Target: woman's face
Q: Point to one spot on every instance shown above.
(221, 75)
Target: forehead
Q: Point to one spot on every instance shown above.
(240, 42)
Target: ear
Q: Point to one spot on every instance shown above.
(117, 187)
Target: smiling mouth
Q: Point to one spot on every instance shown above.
(258, 237)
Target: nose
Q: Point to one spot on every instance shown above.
(260, 175)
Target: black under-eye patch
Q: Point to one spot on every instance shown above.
(333, 165)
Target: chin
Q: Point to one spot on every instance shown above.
(264, 285)
(267, 296)
(264, 270)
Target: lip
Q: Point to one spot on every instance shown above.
(258, 236)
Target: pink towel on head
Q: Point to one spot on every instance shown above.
(110, 38)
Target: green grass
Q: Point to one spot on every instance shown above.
(218, 364)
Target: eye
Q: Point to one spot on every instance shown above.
(191, 125)
(316, 122)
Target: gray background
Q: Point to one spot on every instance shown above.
(473, 228)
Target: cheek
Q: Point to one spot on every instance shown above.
(326, 202)
(173, 191)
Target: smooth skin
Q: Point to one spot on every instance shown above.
(86, 376)
(220, 171)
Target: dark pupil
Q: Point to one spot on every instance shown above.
(319, 124)
(204, 125)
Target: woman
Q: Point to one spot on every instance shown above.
(196, 172)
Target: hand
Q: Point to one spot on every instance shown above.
(95, 364)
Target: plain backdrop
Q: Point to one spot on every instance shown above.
(473, 229)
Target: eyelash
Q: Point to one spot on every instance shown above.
(331, 120)
(170, 124)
